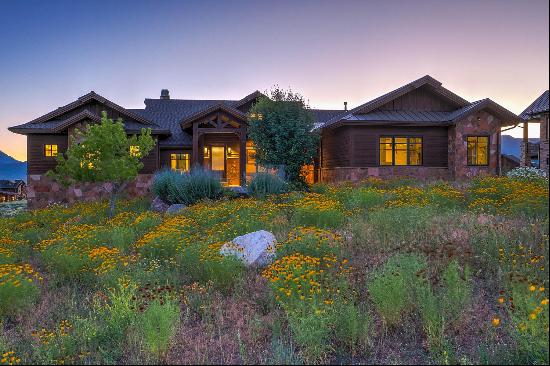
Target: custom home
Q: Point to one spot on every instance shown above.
(420, 129)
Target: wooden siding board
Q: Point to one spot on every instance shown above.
(422, 99)
(37, 162)
(358, 146)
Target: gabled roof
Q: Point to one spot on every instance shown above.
(540, 105)
(51, 122)
(368, 112)
(85, 99)
(184, 123)
(381, 100)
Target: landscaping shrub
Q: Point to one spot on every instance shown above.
(186, 188)
(457, 291)
(18, 288)
(158, 324)
(392, 289)
(526, 173)
(264, 184)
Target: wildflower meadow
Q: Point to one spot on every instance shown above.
(391, 271)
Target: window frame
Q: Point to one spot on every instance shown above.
(188, 159)
(407, 137)
(488, 149)
(50, 150)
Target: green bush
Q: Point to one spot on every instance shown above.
(351, 327)
(187, 188)
(158, 324)
(392, 289)
(17, 291)
(457, 292)
(310, 216)
(264, 184)
(312, 333)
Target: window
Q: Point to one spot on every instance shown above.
(179, 162)
(50, 150)
(478, 150)
(134, 151)
(400, 150)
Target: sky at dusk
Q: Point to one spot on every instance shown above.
(52, 52)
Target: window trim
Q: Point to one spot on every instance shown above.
(393, 137)
(488, 149)
(51, 150)
(188, 162)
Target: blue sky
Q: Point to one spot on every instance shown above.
(52, 52)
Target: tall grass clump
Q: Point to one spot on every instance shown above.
(264, 184)
(392, 289)
(158, 324)
(186, 188)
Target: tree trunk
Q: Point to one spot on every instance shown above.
(117, 189)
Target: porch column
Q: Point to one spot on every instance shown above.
(525, 160)
(242, 160)
(195, 158)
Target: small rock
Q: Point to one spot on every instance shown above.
(175, 208)
(254, 249)
(241, 191)
(159, 205)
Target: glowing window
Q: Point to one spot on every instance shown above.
(400, 150)
(478, 150)
(179, 162)
(50, 150)
(134, 151)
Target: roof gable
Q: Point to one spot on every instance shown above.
(434, 85)
(186, 122)
(85, 99)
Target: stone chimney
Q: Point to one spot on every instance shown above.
(345, 106)
(164, 94)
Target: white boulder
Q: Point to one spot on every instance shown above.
(254, 249)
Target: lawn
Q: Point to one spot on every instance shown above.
(379, 272)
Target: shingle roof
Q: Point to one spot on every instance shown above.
(538, 106)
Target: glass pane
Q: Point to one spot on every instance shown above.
(400, 151)
(415, 151)
(471, 151)
(386, 156)
(482, 150)
(218, 158)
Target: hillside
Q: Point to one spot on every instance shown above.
(11, 168)
(512, 145)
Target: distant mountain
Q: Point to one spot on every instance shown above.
(11, 168)
(512, 145)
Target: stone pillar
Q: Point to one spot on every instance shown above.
(524, 159)
(543, 152)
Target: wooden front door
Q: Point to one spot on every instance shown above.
(218, 161)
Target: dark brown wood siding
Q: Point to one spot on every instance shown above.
(151, 161)
(421, 99)
(358, 146)
(37, 162)
(336, 147)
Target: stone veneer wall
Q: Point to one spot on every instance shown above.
(543, 152)
(341, 174)
(478, 124)
(43, 191)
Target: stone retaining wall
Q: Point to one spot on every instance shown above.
(43, 191)
(352, 174)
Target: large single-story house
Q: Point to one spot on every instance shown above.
(537, 112)
(420, 129)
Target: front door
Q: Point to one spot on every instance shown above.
(218, 161)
